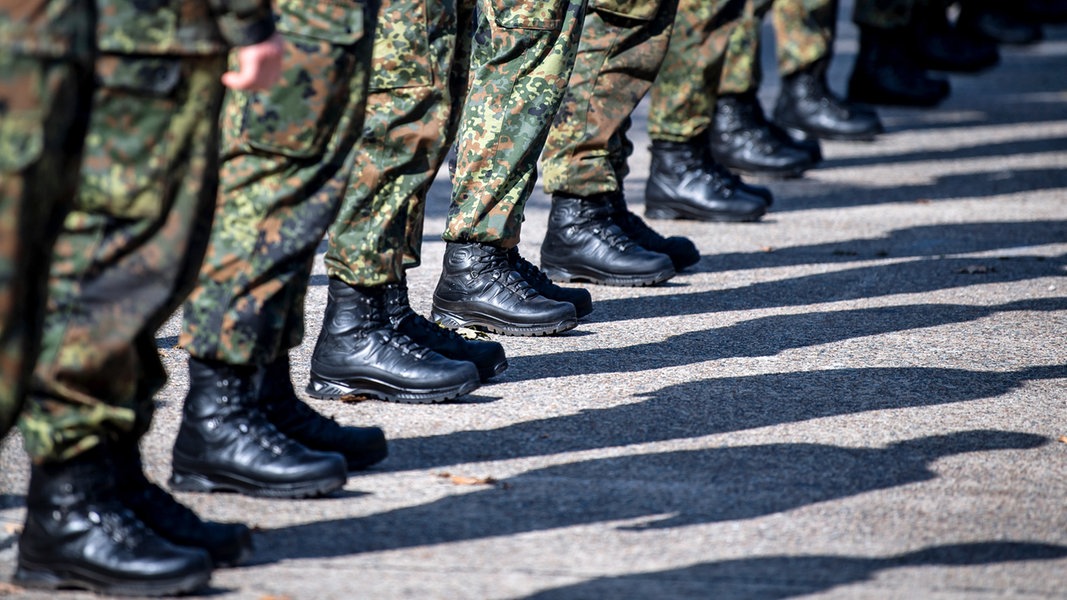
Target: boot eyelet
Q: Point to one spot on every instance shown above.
(94, 517)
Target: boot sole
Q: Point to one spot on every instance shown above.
(329, 389)
(493, 325)
(666, 212)
(601, 278)
(804, 135)
(487, 373)
(185, 481)
(53, 577)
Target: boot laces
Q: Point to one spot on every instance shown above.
(502, 272)
(253, 421)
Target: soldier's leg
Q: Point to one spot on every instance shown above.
(684, 181)
(806, 106)
(44, 110)
(287, 160)
(125, 258)
(403, 147)
(585, 159)
(502, 130)
(742, 138)
(886, 70)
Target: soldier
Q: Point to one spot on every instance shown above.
(900, 42)
(742, 138)
(420, 104)
(591, 234)
(121, 265)
(501, 130)
(287, 159)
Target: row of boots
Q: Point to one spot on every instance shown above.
(96, 522)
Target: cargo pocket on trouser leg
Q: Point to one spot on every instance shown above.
(128, 147)
(297, 117)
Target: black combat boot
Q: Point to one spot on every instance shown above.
(744, 140)
(806, 108)
(359, 353)
(227, 543)
(226, 443)
(579, 297)
(480, 289)
(885, 72)
(681, 250)
(488, 356)
(583, 244)
(684, 182)
(994, 21)
(79, 534)
(940, 46)
(361, 446)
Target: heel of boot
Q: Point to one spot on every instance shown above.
(661, 212)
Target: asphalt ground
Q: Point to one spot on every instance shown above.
(862, 396)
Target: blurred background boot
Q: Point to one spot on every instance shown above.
(742, 139)
(684, 182)
(886, 73)
(807, 108)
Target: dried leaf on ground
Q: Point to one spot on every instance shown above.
(1063, 438)
(12, 528)
(7, 589)
(467, 479)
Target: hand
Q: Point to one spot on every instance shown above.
(259, 66)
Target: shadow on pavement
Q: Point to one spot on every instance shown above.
(712, 406)
(928, 241)
(762, 336)
(773, 577)
(669, 489)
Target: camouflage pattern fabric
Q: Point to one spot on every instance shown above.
(181, 27)
(683, 97)
(45, 93)
(507, 112)
(128, 253)
(423, 69)
(406, 133)
(618, 59)
(288, 155)
(803, 30)
(886, 14)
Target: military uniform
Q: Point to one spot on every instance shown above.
(587, 148)
(804, 35)
(419, 105)
(131, 246)
(45, 90)
(288, 155)
(682, 101)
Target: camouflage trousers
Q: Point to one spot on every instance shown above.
(803, 31)
(683, 98)
(128, 253)
(521, 57)
(623, 44)
(887, 14)
(287, 157)
(44, 110)
(419, 105)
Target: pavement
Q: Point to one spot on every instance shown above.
(862, 396)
